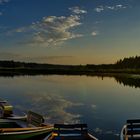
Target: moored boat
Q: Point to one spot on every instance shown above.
(33, 128)
(30, 126)
(70, 132)
(131, 130)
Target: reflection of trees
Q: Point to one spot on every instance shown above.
(125, 79)
(128, 81)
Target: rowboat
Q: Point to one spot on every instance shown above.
(17, 129)
(30, 126)
(131, 130)
(70, 132)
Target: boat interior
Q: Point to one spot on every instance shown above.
(70, 132)
(131, 131)
(33, 121)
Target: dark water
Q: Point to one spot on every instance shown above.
(104, 103)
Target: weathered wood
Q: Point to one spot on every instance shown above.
(131, 126)
(133, 121)
(133, 132)
(71, 131)
(34, 118)
(70, 125)
(133, 129)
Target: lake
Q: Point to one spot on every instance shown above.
(103, 102)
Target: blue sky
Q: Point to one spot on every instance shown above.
(69, 31)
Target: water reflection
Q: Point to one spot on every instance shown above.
(125, 79)
(52, 106)
(132, 80)
(99, 101)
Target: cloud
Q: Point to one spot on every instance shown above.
(9, 56)
(51, 30)
(49, 58)
(22, 29)
(4, 1)
(120, 6)
(114, 7)
(94, 33)
(77, 10)
(99, 9)
(110, 7)
(37, 59)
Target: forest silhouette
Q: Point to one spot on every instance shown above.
(126, 65)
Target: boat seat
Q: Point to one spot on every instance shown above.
(34, 119)
(133, 129)
(70, 129)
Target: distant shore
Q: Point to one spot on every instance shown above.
(129, 65)
(60, 71)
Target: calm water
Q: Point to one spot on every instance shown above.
(103, 103)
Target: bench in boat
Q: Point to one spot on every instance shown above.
(131, 131)
(62, 129)
(71, 132)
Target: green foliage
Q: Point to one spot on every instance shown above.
(131, 62)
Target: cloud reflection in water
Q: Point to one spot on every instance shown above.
(53, 107)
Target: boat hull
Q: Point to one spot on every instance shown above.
(26, 135)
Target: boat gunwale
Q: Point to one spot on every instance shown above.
(27, 132)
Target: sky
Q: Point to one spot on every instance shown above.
(69, 31)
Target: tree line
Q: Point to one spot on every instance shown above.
(132, 63)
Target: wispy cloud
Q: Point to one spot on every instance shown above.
(29, 58)
(77, 10)
(99, 9)
(107, 7)
(4, 1)
(49, 58)
(119, 6)
(1, 3)
(9, 56)
(95, 33)
(53, 30)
